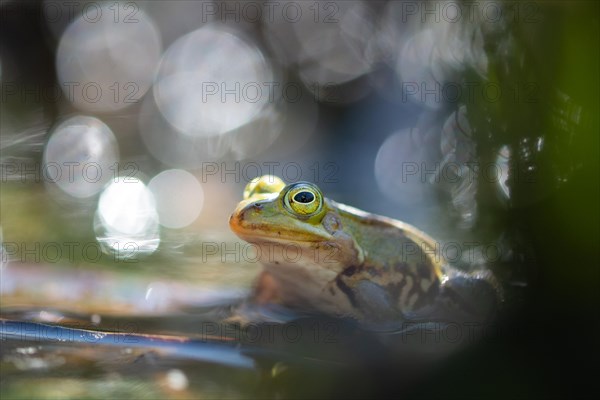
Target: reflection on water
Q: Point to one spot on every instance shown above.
(202, 355)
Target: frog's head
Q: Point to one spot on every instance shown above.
(297, 223)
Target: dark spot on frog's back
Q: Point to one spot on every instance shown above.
(427, 297)
(396, 288)
(349, 271)
(400, 267)
(370, 269)
(347, 291)
(424, 270)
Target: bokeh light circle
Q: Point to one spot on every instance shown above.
(402, 168)
(106, 63)
(126, 219)
(211, 81)
(179, 197)
(80, 156)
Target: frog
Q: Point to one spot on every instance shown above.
(324, 257)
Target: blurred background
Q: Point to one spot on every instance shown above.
(129, 129)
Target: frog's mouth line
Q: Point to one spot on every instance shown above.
(259, 234)
(256, 237)
(253, 232)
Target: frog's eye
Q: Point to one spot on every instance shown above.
(304, 199)
(263, 186)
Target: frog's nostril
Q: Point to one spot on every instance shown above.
(243, 216)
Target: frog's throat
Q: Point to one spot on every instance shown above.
(335, 254)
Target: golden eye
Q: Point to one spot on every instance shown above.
(263, 186)
(304, 199)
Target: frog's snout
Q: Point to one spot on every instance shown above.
(243, 214)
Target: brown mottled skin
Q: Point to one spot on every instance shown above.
(334, 259)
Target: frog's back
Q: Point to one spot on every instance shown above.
(406, 266)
